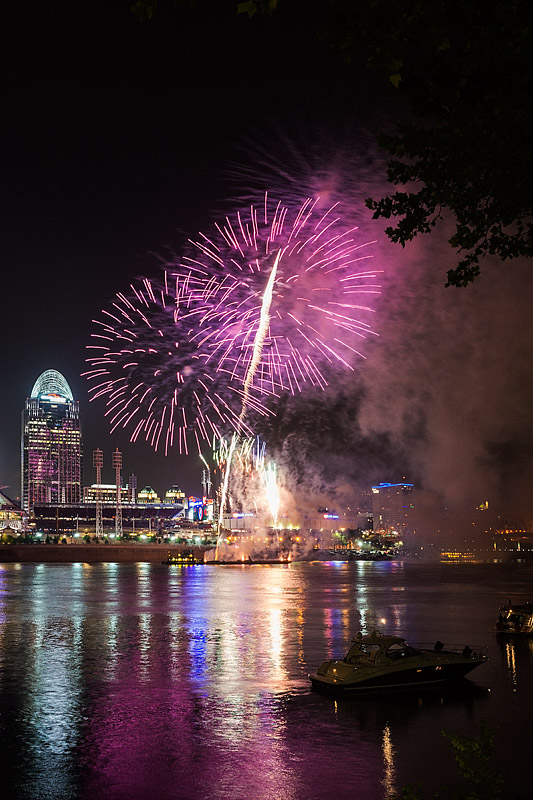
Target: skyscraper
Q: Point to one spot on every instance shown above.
(391, 503)
(51, 444)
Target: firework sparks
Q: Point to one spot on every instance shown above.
(270, 481)
(253, 480)
(292, 301)
(262, 329)
(273, 301)
(147, 365)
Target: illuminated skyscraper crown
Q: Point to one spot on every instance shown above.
(51, 382)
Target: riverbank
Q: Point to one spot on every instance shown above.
(156, 553)
(92, 553)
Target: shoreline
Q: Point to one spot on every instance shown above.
(93, 553)
(157, 553)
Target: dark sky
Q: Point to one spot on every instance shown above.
(117, 141)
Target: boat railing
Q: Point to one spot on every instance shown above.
(443, 647)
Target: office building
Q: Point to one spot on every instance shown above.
(51, 446)
(391, 503)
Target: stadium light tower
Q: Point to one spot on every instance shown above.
(98, 463)
(117, 466)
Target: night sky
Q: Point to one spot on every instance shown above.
(120, 140)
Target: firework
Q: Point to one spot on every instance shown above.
(147, 365)
(275, 299)
(292, 300)
(270, 481)
(253, 480)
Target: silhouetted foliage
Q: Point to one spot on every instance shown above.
(466, 72)
(478, 778)
(465, 149)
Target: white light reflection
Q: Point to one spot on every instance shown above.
(328, 631)
(51, 706)
(145, 625)
(276, 643)
(510, 657)
(273, 585)
(112, 588)
(178, 641)
(388, 762)
(300, 620)
(111, 661)
(144, 619)
(143, 584)
(175, 645)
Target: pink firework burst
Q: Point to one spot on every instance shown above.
(319, 279)
(274, 300)
(148, 366)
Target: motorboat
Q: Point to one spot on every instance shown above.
(515, 620)
(183, 559)
(377, 661)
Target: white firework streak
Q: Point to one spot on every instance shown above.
(262, 330)
(264, 321)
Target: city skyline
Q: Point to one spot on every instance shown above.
(105, 175)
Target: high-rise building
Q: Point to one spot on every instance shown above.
(391, 503)
(51, 446)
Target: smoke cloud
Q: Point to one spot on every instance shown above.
(444, 397)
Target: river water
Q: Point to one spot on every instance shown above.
(134, 681)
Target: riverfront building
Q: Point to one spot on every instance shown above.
(12, 517)
(391, 503)
(51, 446)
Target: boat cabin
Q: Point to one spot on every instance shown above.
(376, 647)
(515, 619)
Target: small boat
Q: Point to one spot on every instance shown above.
(183, 559)
(515, 620)
(377, 661)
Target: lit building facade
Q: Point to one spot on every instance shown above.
(147, 495)
(391, 503)
(175, 495)
(51, 444)
(105, 492)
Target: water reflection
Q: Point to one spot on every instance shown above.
(511, 663)
(136, 681)
(49, 709)
(517, 657)
(388, 761)
(112, 642)
(3, 593)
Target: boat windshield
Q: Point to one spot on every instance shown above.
(370, 649)
(400, 650)
(361, 651)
